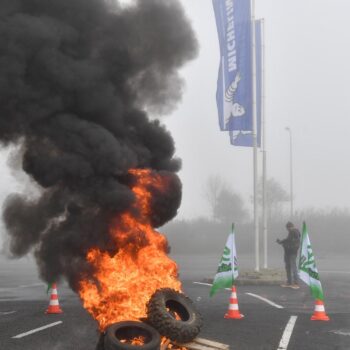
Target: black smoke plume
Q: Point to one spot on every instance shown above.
(76, 80)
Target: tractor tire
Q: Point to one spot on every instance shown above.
(174, 315)
(117, 332)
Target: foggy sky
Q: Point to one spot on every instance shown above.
(307, 72)
(307, 79)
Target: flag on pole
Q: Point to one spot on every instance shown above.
(244, 138)
(307, 266)
(49, 286)
(228, 266)
(234, 88)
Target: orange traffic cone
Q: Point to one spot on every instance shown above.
(320, 313)
(54, 307)
(233, 310)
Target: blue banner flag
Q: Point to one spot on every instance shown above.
(241, 137)
(234, 89)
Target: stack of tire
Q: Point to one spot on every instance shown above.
(170, 314)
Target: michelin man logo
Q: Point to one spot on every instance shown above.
(232, 109)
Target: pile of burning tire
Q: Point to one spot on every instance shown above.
(170, 314)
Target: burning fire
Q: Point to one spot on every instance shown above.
(124, 283)
(134, 341)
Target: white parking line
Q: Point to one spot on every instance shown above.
(22, 286)
(208, 284)
(4, 313)
(203, 284)
(335, 272)
(36, 330)
(341, 332)
(265, 300)
(251, 294)
(287, 333)
(31, 285)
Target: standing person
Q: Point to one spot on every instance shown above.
(291, 246)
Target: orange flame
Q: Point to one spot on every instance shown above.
(138, 341)
(167, 344)
(124, 283)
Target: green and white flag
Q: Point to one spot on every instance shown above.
(49, 287)
(307, 267)
(228, 266)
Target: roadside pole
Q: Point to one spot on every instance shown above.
(263, 117)
(255, 143)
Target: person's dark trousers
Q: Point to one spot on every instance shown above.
(291, 268)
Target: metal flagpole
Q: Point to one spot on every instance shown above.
(263, 117)
(291, 172)
(232, 257)
(255, 143)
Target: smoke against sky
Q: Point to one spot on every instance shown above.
(307, 75)
(76, 76)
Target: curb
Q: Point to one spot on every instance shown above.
(252, 278)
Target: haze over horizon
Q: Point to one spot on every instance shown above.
(306, 89)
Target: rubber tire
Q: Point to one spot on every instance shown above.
(111, 341)
(180, 331)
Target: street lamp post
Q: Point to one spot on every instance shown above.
(291, 172)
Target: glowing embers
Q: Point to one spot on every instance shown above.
(136, 341)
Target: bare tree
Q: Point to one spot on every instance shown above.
(276, 195)
(230, 207)
(226, 205)
(213, 187)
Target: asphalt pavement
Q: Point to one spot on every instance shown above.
(23, 302)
